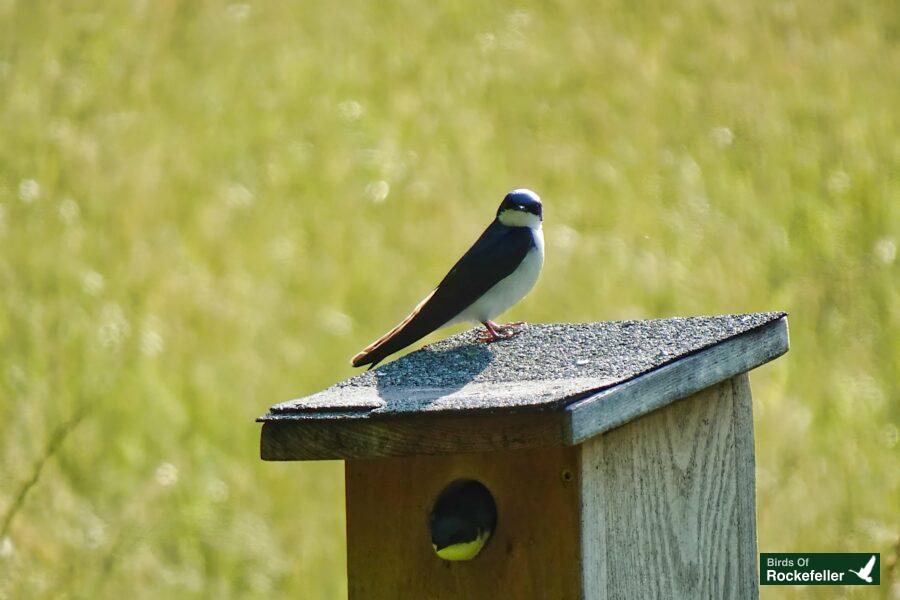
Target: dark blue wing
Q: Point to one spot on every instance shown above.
(494, 256)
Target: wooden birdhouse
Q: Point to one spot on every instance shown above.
(619, 458)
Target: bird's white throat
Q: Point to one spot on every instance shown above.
(519, 218)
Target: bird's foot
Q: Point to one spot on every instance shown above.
(495, 332)
(489, 337)
(509, 328)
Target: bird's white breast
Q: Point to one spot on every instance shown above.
(509, 290)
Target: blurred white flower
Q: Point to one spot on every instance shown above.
(151, 341)
(891, 435)
(351, 110)
(608, 173)
(513, 35)
(17, 375)
(486, 41)
(378, 191)
(29, 190)
(6, 547)
(335, 321)
(722, 136)
(886, 250)
(114, 327)
(765, 479)
(668, 158)
(691, 173)
(283, 249)
(785, 10)
(92, 283)
(301, 151)
(419, 189)
(238, 196)
(238, 11)
(838, 182)
(68, 211)
(95, 534)
(191, 579)
(518, 19)
(217, 490)
(565, 237)
(166, 474)
(260, 583)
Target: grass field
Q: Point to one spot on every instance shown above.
(206, 208)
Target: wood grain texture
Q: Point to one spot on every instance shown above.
(745, 474)
(668, 508)
(625, 402)
(534, 552)
(409, 435)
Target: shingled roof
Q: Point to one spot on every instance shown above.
(596, 375)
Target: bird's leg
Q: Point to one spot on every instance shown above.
(510, 329)
(498, 332)
(492, 334)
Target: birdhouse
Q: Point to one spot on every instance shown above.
(593, 460)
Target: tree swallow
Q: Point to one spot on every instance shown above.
(499, 269)
(462, 520)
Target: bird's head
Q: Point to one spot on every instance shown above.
(462, 519)
(521, 208)
(449, 530)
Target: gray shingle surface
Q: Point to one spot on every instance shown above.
(546, 366)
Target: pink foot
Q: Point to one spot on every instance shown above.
(491, 334)
(509, 329)
(495, 332)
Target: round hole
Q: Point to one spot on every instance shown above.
(462, 520)
(567, 475)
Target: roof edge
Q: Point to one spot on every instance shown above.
(615, 406)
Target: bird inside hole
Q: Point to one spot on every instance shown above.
(462, 520)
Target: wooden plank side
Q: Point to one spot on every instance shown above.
(625, 402)
(666, 500)
(745, 466)
(534, 552)
(408, 435)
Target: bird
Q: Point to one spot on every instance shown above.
(462, 520)
(866, 572)
(499, 270)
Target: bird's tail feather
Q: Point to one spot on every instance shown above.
(410, 330)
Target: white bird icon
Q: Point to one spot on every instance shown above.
(865, 572)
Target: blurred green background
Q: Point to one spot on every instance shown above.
(206, 208)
